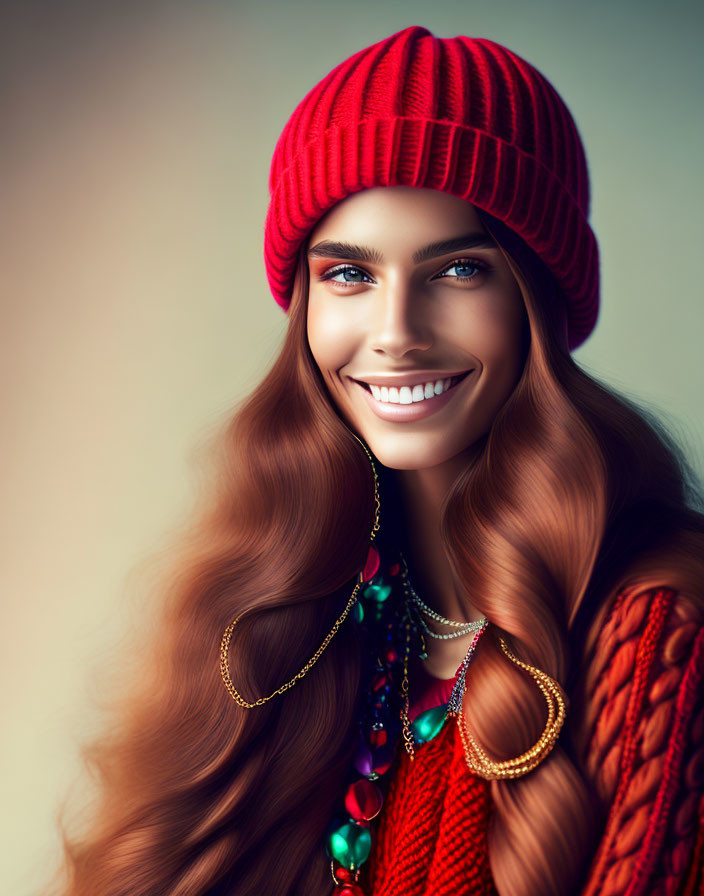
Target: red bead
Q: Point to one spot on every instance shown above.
(379, 680)
(343, 873)
(372, 564)
(363, 800)
(378, 737)
(390, 655)
(350, 890)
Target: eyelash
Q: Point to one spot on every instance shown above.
(473, 262)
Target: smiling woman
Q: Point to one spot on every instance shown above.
(452, 585)
(408, 340)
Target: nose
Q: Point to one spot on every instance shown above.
(400, 322)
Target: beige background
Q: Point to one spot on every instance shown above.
(135, 153)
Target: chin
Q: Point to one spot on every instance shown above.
(412, 454)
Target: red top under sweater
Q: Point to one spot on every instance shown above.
(646, 695)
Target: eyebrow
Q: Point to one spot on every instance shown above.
(335, 249)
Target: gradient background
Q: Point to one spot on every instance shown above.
(135, 153)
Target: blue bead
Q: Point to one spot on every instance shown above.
(349, 845)
(378, 592)
(357, 612)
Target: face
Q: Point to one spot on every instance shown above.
(415, 321)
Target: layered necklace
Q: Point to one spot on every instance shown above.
(392, 629)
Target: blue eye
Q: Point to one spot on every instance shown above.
(346, 269)
(466, 264)
(469, 270)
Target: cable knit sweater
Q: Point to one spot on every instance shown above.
(643, 694)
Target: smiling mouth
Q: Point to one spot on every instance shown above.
(413, 394)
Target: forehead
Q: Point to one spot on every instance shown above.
(396, 216)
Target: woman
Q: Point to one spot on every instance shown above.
(429, 523)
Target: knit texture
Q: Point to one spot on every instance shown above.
(462, 115)
(643, 697)
(434, 805)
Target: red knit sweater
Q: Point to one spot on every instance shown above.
(643, 750)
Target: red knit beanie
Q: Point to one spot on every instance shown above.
(462, 115)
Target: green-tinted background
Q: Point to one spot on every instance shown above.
(135, 153)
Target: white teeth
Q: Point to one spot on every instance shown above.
(409, 394)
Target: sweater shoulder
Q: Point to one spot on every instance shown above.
(643, 748)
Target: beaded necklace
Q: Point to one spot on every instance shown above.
(387, 622)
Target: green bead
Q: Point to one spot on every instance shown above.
(378, 592)
(429, 723)
(349, 845)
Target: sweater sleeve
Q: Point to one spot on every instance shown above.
(693, 884)
(646, 749)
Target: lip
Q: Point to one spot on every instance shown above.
(408, 413)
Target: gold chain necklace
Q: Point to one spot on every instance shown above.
(478, 760)
(227, 635)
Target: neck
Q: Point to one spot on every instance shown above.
(422, 495)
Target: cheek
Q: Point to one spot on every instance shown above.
(500, 342)
(330, 338)
(499, 328)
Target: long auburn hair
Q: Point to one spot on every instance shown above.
(575, 493)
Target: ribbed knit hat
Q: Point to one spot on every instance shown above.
(462, 115)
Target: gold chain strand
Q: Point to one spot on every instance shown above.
(537, 752)
(405, 722)
(225, 642)
(224, 648)
(477, 759)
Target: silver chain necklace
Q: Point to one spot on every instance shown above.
(463, 628)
